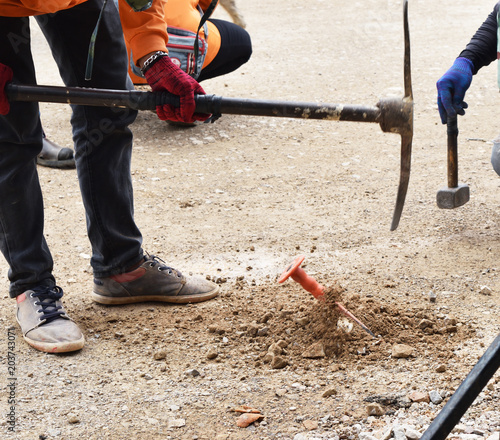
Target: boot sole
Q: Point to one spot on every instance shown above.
(61, 164)
(49, 347)
(181, 299)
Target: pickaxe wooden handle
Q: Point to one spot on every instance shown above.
(393, 115)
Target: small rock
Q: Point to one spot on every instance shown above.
(412, 434)
(448, 329)
(192, 373)
(315, 351)
(275, 348)
(280, 392)
(252, 330)
(470, 437)
(212, 355)
(176, 423)
(310, 425)
(73, 418)
(485, 290)
(366, 436)
(278, 363)
(160, 354)
(399, 433)
(432, 296)
(374, 409)
(417, 396)
(494, 436)
(302, 321)
(265, 318)
(268, 358)
(450, 321)
(330, 392)
(282, 344)
(441, 368)
(216, 329)
(435, 397)
(402, 351)
(263, 331)
(386, 433)
(425, 323)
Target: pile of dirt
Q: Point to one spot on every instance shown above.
(320, 330)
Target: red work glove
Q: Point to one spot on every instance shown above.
(165, 75)
(5, 77)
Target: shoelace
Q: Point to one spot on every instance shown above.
(47, 297)
(153, 260)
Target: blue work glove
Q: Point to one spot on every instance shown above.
(452, 87)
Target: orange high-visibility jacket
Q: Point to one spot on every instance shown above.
(185, 14)
(145, 31)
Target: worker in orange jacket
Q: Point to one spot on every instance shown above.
(123, 272)
(224, 47)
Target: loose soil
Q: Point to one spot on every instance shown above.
(237, 201)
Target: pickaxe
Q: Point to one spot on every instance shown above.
(395, 115)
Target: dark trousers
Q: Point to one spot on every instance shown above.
(102, 142)
(235, 50)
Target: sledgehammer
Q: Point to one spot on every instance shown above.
(455, 194)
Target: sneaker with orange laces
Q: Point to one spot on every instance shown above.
(152, 280)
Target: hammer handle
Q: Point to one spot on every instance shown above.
(452, 131)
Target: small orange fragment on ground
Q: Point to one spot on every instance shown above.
(247, 419)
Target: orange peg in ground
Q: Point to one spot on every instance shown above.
(313, 287)
(300, 276)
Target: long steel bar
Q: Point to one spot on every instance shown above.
(141, 100)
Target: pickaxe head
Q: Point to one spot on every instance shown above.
(397, 117)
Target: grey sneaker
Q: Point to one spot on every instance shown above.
(44, 322)
(152, 281)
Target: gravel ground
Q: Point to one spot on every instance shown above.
(236, 201)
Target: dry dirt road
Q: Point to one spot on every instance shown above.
(237, 201)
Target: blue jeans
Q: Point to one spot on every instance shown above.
(102, 143)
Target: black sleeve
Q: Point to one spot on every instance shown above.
(482, 48)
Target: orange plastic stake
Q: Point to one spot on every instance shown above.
(316, 289)
(300, 276)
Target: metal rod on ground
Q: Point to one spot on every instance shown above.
(466, 393)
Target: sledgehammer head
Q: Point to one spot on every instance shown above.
(451, 198)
